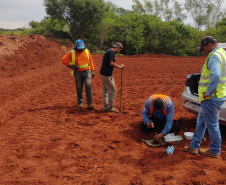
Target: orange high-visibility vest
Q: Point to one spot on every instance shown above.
(165, 103)
(82, 66)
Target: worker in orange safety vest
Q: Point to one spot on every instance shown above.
(80, 62)
(158, 112)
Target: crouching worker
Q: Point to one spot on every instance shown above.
(80, 62)
(158, 112)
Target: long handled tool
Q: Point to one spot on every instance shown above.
(121, 89)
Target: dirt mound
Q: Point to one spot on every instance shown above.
(20, 54)
(46, 139)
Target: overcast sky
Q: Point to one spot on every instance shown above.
(18, 13)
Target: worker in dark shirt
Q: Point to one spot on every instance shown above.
(108, 82)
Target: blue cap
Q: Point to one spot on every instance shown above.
(79, 44)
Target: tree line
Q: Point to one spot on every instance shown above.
(152, 26)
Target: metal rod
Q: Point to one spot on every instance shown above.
(121, 89)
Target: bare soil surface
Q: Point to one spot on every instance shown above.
(46, 139)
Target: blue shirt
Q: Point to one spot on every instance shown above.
(214, 65)
(159, 115)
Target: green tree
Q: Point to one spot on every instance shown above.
(147, 20)
(34, 24)
(221, 23)
(178, 12)
(117, 10)
(205, 12)
(128, 29)
(133, 30)
(105, 30)
(78, 14)
(138, 7)
(197, 9)
(112, 6)
(148, 6)
(163, 9)
(121, 11)
(48, 23)
(182, 29)
(160, 7)
(215, 12)
(166, 40)
(219, 33)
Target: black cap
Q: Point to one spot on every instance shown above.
(206, 40)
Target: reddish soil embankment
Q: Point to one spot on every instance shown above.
(46, 139)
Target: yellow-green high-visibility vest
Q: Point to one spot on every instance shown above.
(73, 60)
(205, 77)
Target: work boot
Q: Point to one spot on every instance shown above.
(208, 153)
(190, 150)
(114, 110)
(80, 105)
(90, 106)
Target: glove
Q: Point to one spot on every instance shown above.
(93, 74)
(73, 67)
(170, 150)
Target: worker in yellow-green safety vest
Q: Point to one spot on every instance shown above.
(80, 61)
(212, 94)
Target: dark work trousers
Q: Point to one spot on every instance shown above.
(159, 124)
(80, 78)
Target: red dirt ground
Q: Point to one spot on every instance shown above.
(46, 139)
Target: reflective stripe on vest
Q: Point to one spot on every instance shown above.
(73, 60)
(205, 76)
(165, 104)
(223, 73)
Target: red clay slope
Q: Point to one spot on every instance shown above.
(46, 139)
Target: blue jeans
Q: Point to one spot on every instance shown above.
(208, 118)
(80, 77)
